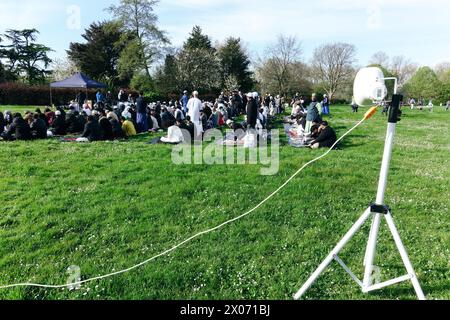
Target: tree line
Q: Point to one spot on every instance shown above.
(131, 51)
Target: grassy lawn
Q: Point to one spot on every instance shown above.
(107, 206)
(20, 109)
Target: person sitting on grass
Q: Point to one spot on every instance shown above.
(116, 127)
(38, 127)
(92, 130)
(106, 128)
(50, 117)
(128, 127)
(2, 123)
(59, 124)
(18, 130)
(327, 137)
(174, 135)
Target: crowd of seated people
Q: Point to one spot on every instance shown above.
(306, 127)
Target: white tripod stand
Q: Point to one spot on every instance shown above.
(379, 209)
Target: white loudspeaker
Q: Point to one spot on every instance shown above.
(369, 86)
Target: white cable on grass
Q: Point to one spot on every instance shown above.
(189, 239)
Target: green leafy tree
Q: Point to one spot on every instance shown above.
(235, 64)
(138, 18)
(424, 84)
(198, 69)
(24, 58)
(99, 56)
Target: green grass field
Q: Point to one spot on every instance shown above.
(107, 206)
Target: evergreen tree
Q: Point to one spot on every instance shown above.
(235, 63)
(25, 58)
(99, 56)
(197, 40)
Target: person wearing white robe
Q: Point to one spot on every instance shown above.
(195, 106)
(174, 135)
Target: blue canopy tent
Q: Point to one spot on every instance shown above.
(79, 81)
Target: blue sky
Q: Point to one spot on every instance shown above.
(417, 29)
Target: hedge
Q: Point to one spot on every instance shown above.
(20, 94)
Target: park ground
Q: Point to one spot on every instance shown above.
(107, 206)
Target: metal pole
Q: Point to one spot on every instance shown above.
(333, 253)
(405, 258)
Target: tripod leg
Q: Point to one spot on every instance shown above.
(333, 253)
(371, 249)
(367, 249)
(405, 258)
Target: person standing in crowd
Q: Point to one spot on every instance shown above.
(355, 106)
(100, 97)
(184, 102)
(194, 106)
(312, 114)
(325, 105)
(122, 96)
(141, 115)
(252, 111)
(80, 98)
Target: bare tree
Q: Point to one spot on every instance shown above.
(380, 58)
(63, 68)
(333, 66)
(403, 69)
(276, 67)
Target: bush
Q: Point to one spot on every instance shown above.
(151, 97)
(21, 94)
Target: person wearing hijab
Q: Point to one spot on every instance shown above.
(115, 124)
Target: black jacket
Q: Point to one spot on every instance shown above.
(326, 138)
(116, 129)
(59, 126)
(141, 106)
(92, 131)
(72, 124)
(20, 129)
(106, 129)
(252, 113)
(39, 129)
